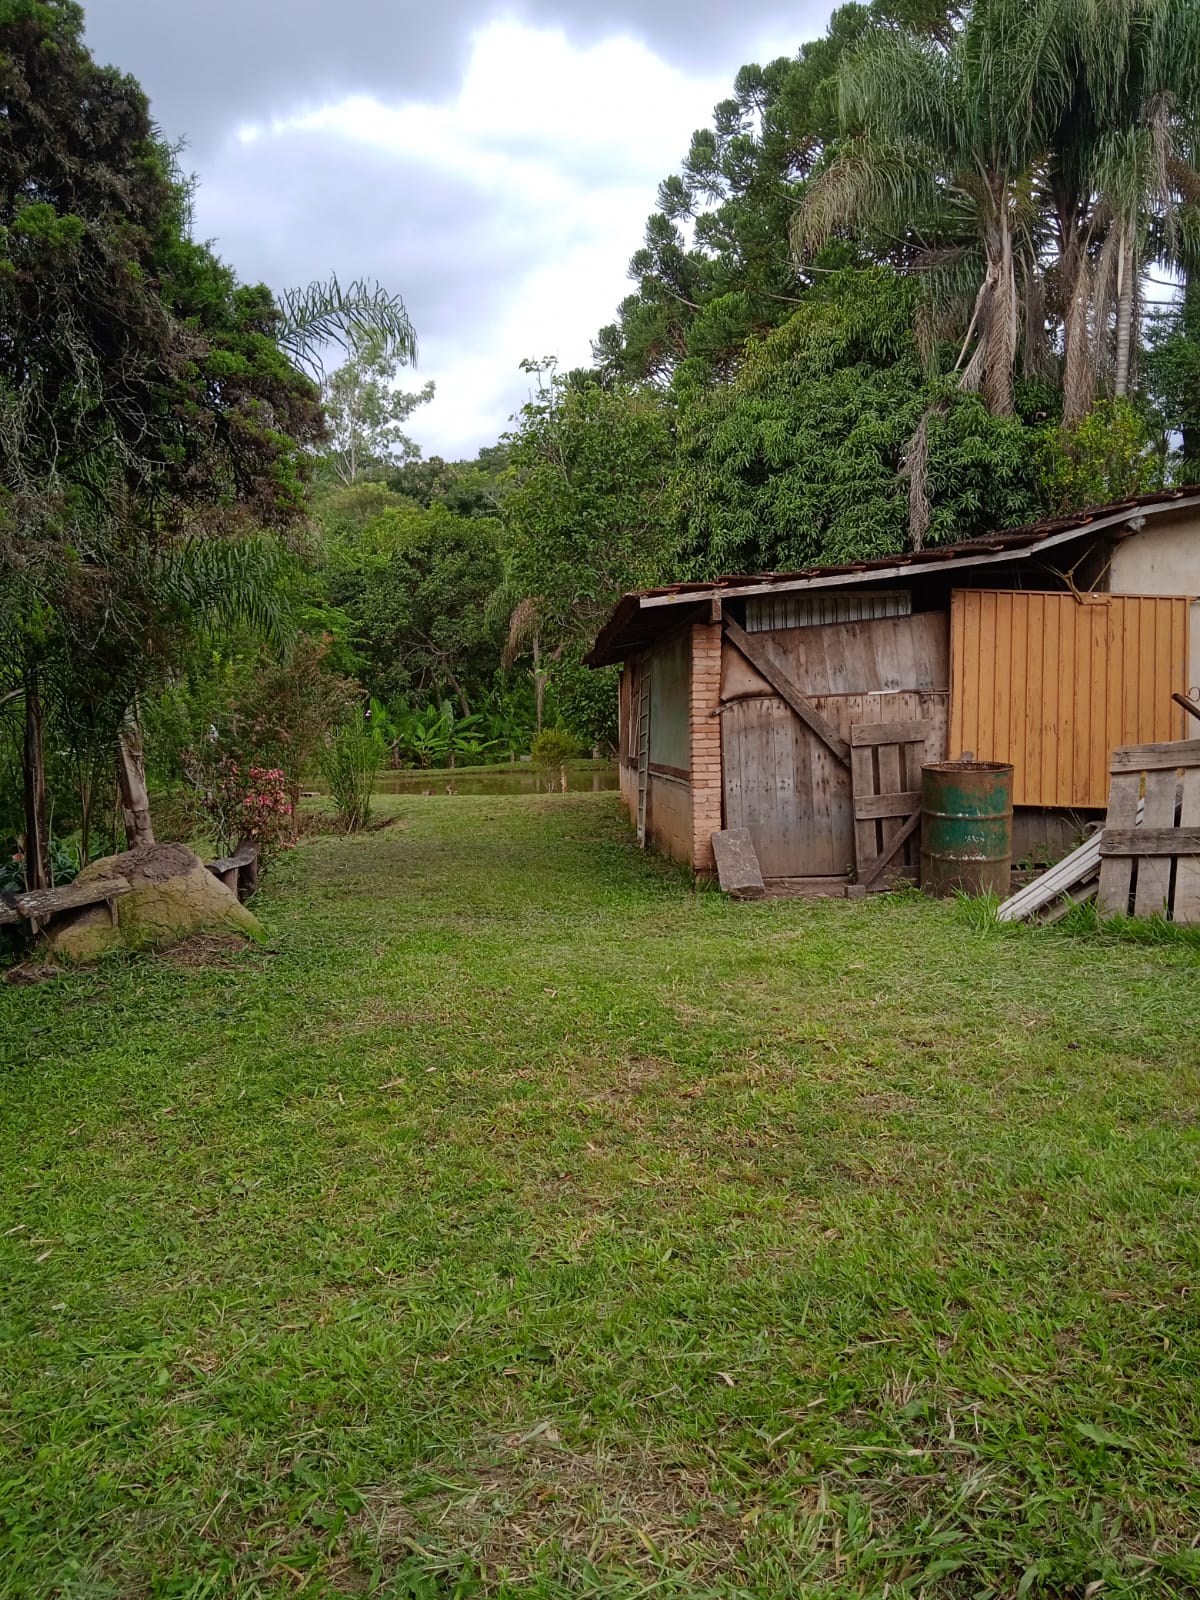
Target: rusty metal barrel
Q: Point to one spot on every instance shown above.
(966, 827)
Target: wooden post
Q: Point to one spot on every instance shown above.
(33, 777)
(131, 774)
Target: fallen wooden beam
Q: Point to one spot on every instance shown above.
(807, 888)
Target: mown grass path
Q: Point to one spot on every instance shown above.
(523, 1222)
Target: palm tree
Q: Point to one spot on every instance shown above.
(1116, 167)
(216, 580)
(1037, 147)
(944, 137)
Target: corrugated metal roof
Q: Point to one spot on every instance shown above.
(629, 628)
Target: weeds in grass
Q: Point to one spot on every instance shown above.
(1083, 921)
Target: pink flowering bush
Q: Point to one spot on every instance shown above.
(248, 802)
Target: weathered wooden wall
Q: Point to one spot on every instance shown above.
(669, 816)
(791, 791)
(888, 656)
(781, 781)
(1054, 684)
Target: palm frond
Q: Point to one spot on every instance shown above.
(222, 583)
(523, 626)
(325, 313)
(885, 186)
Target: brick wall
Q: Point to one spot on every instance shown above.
(706, 742)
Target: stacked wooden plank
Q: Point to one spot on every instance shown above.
(1146, 862)
(1153, 869)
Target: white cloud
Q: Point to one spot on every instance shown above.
(543, 168)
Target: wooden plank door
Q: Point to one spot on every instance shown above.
(785, 785)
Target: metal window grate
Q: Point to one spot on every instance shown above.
(811, 610)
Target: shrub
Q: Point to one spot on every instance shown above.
(351, 758)
(243, 803)
(551, 750)
(1105, 456)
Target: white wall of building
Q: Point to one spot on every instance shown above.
(1164, 558)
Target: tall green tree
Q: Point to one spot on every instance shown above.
(366, 413)
(715, 266)
(585, 505)
(145, 403)
(802, 459)
(415, 584)
(941, 141)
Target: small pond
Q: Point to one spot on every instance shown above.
(582, 777)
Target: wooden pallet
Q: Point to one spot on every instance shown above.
(1153, 869)
(885, 777)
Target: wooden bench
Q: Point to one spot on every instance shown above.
(239, 871)
(39, 905)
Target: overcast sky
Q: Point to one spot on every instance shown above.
(495, 164)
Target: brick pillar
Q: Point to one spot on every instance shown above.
(706, 742)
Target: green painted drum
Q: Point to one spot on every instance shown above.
(966, 827)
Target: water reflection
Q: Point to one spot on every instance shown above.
(582, 777)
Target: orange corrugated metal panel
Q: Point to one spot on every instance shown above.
(1053, 684)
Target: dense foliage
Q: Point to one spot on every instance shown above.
(802, 457)
(975, 197)
(895, 295)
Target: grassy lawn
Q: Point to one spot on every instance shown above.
(524, 1222)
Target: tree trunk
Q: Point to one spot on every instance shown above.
(131, 775)
(1000, 329)
(1191, 328)
(85, 821)
(1125, 317)
(539, 680)
(33, 776)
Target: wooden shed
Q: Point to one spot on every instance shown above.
(801, 705)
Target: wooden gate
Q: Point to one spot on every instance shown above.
(885, 773)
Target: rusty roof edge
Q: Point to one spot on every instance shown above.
(609, 648)
(1060, 531)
